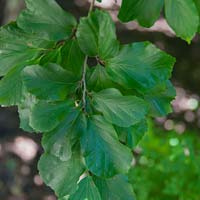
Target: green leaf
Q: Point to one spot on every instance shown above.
(51, 56)
(120, 110)
(47, 19)
(96, 35)
(197, 2)
(18, 47)
(104, 155)
(140, 66)
(61, 176)
(64, 198)
(115, 188)
(11, 88)
(133, 134)
(46, 116)
(50, 82)
(60, 141)
(98, 79)
(72, 57)
(86, 190)
(160, 99)
(145, 11)
(182, 16)
(24, 110)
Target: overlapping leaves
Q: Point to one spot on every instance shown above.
(87, 145)
(177, 13)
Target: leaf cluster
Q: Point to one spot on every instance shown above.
(181, 15)
(91, 117)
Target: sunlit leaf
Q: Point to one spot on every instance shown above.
(182, 16)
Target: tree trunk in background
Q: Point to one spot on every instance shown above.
(2, 9)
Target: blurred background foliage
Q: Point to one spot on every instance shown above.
(166, 162)
(167, 166)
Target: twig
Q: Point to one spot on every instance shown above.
(83, 83)
(83, 80)
(91, 6)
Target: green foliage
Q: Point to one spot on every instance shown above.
(45, 116)
(145, 11)
(91, 35)
(18, 47)
(187, 13)
(181, 15)
(133, 134)
(130, 109)
(62, 176)
(91, 118)
(104, 155)
(51, 82)
(168, 166)
(46, 19)
(109, 188)
(87, 190)
(125, 68)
